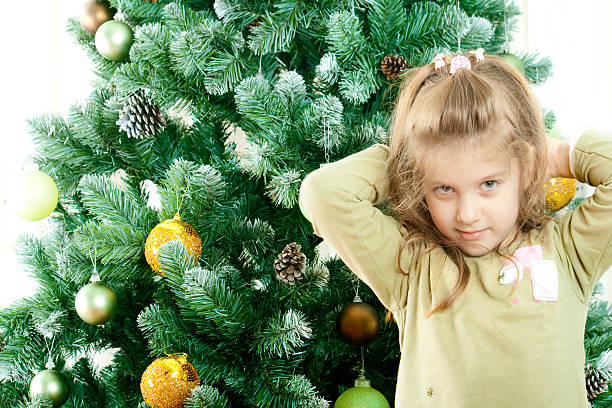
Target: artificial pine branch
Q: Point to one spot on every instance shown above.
(276, 31)
(109, 203)
(385, 20)
(205, 396)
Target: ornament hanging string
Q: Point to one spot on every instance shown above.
(164, 347)
(458, 35)
(50, 365)
(362, 370)
(94, 276)
(176, 355)
(506, 46)
(180, 204)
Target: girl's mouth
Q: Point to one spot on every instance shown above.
(468, 236)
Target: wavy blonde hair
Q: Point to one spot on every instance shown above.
(490, 105)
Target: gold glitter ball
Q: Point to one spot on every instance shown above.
(169, 230)
(167, 381)
(559, 192)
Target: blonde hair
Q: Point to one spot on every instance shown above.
(489, 105)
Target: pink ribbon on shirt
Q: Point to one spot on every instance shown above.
(526, 255)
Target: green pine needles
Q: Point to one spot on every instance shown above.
(255, 95)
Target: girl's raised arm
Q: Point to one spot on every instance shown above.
(586, 232)
(339, 200)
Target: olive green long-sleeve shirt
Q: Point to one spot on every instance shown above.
(491, 348)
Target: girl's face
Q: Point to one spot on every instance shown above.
(473, 196)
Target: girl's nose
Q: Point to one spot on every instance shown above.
(468, 210)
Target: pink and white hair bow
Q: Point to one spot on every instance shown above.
(458, 62)
(438, 61)
(479, 54)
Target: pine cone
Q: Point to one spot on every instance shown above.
(290, 264)
(140, 117)
(393, 65)
(596, 383)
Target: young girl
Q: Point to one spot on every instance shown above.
(489, 294)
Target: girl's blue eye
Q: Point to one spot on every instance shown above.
(444, 189)
(489, 185)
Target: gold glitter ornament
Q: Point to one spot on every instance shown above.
(169, 230)
(167, 381)
(559, 192)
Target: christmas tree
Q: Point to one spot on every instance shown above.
(178, 185)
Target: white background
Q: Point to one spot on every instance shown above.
(43, 71)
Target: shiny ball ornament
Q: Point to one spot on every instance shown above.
(114, 39)
(93, 15)
(167, 381)
(357, 323)
(51, 383)
(515, 61)
(559, 192)
(96, 303)
(167, 231)
(33, 195)
(361, 396)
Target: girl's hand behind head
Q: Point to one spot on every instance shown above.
(558, 159)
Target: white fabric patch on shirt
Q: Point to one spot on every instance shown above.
(544, 280)
(508, 274)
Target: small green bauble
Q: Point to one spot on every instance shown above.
(515, 61)
(96, 303)
(51, 383)
(33, 195)
(114, 39)
(361, 396)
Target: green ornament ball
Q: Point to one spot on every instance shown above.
(361, 396)
(51, 383)
(114, 39)
(33, 195)
(96, 303)
(515, 61)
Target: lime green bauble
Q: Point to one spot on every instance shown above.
(51, 383)
(33, 195)
(361, 396)
(515, 61)
(96, 303)
(114, 39)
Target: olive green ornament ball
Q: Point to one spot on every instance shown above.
(513, 60)
(96, 303)
(114, 39)
(362, 396)
(33, 195)
(51, 383)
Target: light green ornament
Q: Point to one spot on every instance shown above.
(361, 396)
(33, 195)
(114, 39)
(514, 61)
(51, 383)
(96, 303)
